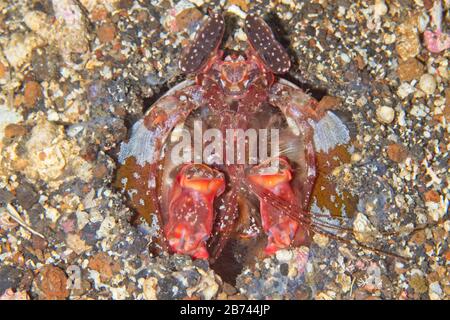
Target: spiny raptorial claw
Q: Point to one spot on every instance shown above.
(191, 214)
(279, 227)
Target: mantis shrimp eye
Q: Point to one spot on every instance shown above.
(206, 41)
(261, 38)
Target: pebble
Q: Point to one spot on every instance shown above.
(380, 8)
(149, 287)
(243, 4)
(182, 16)
(432, 196)
(410, 69)
(283, 255)
(19, 48)
(106, 33)
(49, 156)
(404, 90)
(99, 13)
(51, 283)
(435, 291)
(321, 240)
(2, 70)
(75, 243)
(363, 228)
(7, 117)
(427, 83)
(104, 265)
(385, 114)
(32, 92)
(397, 152)
(408, 43)
(72, 28)
(11, 295)
(105, 228)
(436, 41)
(9, 277)
(14, 130)
(237, 11)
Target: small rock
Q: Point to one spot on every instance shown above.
(283, 255)
(6, 222)
(385, 114)
(284, 269)
(11, 295)
(106, 33)
(234, 9)
(50, 155)
(32, 92)
(124, 4)
(104, 265)
(432, 196)
(7, 116)
(397, 152)
(243, 4)
(380, 8)
(345, 281)
(418, 283)
(436, 41)
(150, 286)
(363, 228)
(408, 44)
(2, 70)
(19, 48)
(9, 278)
(99, 14)
(435, 291)
(51, 283)
(182, 17)
(46, 64)
(320, 240)
(14, 130)
(71, 29)
(427, 83)
(409, 70)
(405, 89)
(75, 243)
(447, 105)
(107, 225)
(26, 195)
(100, 171)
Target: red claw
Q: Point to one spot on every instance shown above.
(191, 215)
(280, 228)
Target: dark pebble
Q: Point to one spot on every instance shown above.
(167, 291)
(5, 196)
(88, 234)
(26, 196)
(284, 269)
(10, 277)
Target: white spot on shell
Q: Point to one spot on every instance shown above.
(140, 146)
(329, 132)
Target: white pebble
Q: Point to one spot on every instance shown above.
(237, 11)
(427, 83)
(385, 114)
(405, 89)
(283, 255)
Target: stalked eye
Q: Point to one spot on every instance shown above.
(206, 41)
(268, 48)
